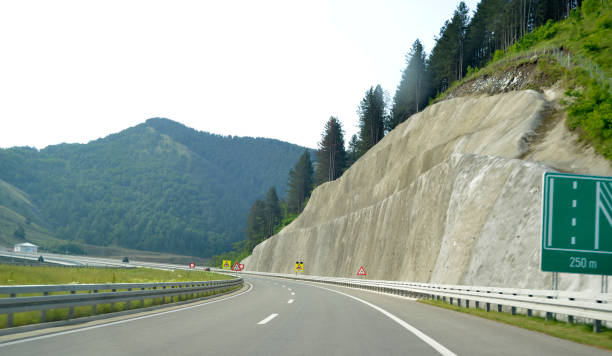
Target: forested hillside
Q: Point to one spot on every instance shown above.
(157, 186)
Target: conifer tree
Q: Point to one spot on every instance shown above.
(372, 116)
(411, 93)
(256, 225)
(272, 211)
(300, 184)
(352, 153)
(331, 156)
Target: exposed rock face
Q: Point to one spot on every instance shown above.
(446, 197)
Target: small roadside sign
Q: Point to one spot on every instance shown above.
(192, 265)
(361, 271)
(237, 267)
(241, 266)
(227, 264)
(299, 266)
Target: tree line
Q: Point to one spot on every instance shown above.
(464, 43)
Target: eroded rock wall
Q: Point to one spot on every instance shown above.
(446, 197)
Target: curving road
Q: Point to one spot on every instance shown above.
(278, 317)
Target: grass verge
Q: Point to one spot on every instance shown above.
(581, 333)
(26, 275)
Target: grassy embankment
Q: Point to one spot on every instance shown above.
(581, 333)
(575, 54)
(25, 275)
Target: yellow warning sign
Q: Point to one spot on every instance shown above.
(299, 266)
(227, 264)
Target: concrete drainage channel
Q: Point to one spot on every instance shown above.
(71, 296)
(595, 308)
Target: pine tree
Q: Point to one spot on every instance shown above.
(411, 93)
(300, 184)
(446, 59)
(272, 210)
(352, 153)
(372, 117)
(331, 156)
(256, 225)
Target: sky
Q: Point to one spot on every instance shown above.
(75, 71)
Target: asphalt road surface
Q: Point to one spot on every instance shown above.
(281, 317)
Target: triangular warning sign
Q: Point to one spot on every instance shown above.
(361, 271)
(236, 267)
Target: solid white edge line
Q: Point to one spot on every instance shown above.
(428, 340)
(121, 321)
(266, 320)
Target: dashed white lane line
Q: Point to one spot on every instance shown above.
(289, 288)
(431, 342)
(266, 320)
(292, 293)
(290, 301)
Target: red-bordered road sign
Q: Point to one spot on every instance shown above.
(361, 271)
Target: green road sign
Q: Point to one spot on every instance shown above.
(577, 224)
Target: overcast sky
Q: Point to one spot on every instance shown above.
(75, 71)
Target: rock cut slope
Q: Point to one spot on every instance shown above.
(453, 195)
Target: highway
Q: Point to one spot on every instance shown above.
(281, 317)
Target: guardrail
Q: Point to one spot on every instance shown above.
(591, 306)
(73, 295)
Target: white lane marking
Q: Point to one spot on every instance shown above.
(121, 321)
(289, 288)
(290, 301)
(431, 342)
(292, 293)
(283, 286)
(270, 317)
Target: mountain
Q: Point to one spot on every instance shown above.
(158, 186)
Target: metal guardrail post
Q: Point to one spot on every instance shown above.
(596, 326)
(71, 309)
(94, 307)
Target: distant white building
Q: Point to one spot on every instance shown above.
(26, 247)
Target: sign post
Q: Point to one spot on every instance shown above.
(236, 268)
(577, 224)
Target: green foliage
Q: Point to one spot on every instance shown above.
(592, 113)
(300, 184)
(372, 118)
(352, 154)
(19, 233)
(471, 71)
(70, 248)
(411, 94)
(272, 211)
(331, 155)
(157, 186)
